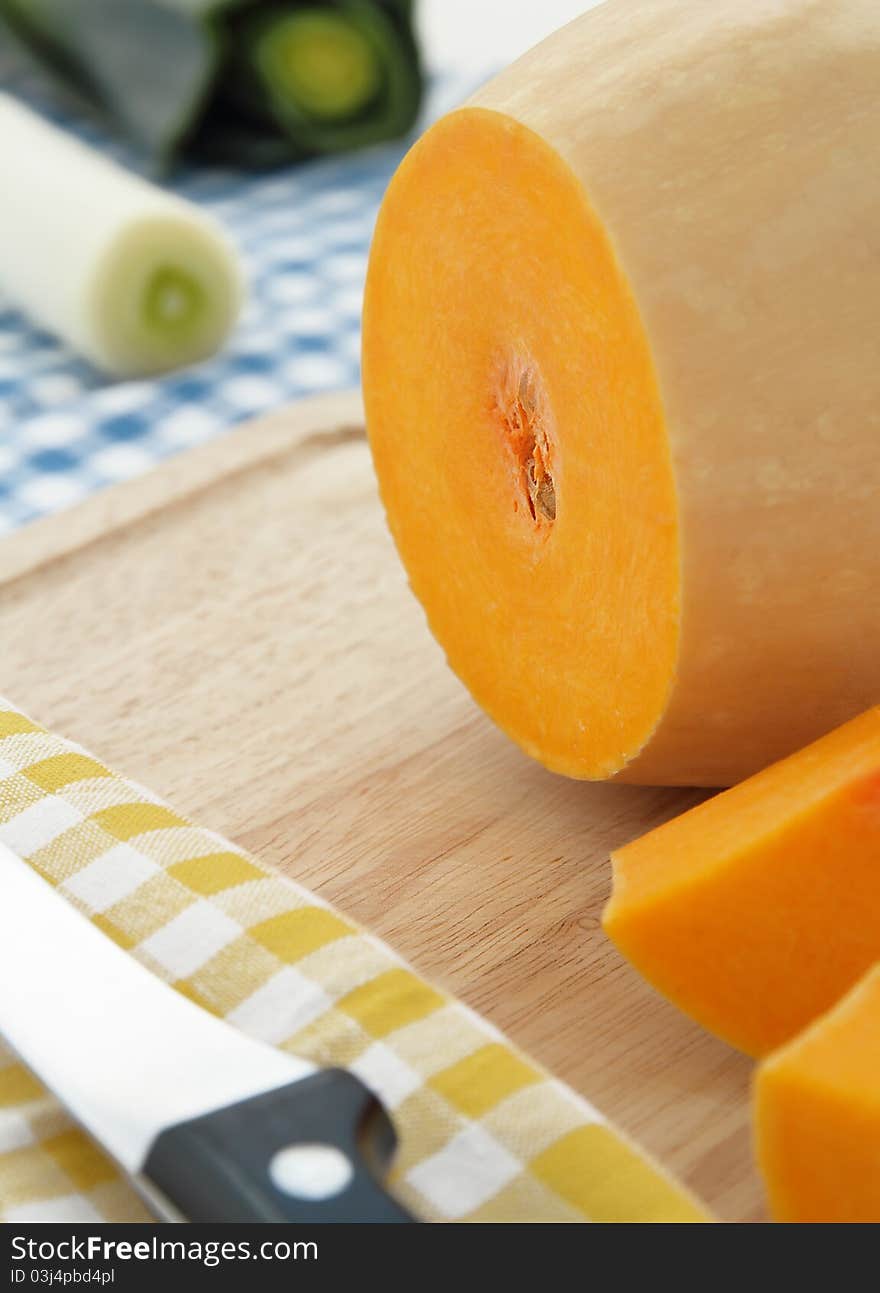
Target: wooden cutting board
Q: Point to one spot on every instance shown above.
(235, 631)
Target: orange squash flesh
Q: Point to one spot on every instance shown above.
(523, 353)
(622, 389)
(755, 911)
(817, 1115)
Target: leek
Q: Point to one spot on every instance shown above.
(256, 82)
(135, 279)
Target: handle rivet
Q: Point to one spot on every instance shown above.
(311, 1171)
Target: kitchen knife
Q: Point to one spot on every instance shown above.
(209, 1124)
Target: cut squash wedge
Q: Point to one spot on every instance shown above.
(758, 909)
(817, 1115)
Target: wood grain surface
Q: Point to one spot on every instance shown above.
(235, 631)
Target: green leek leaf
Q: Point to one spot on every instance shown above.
(253, 82)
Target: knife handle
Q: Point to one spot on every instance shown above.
(270, 1158)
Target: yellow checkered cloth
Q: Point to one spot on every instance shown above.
(485, 1134)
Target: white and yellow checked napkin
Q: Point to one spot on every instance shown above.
(485, 1134)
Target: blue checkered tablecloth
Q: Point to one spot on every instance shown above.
(303, 234)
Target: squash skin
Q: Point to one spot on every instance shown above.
(816, 1109)
(748, 130)
(730, 151)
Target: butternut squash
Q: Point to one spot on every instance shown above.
(817, 1115)
(622, 389)
(759, 908)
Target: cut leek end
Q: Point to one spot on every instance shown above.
(321, 63)
(167, 295)
(329, 80)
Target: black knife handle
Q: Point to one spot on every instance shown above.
(218, 1167)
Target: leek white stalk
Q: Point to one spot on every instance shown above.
(136, 279)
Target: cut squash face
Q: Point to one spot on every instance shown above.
(514, 417)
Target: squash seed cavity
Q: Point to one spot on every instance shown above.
(522, 412)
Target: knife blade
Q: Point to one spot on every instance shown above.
(210, 1125)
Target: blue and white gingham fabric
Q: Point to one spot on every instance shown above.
(303, 234)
